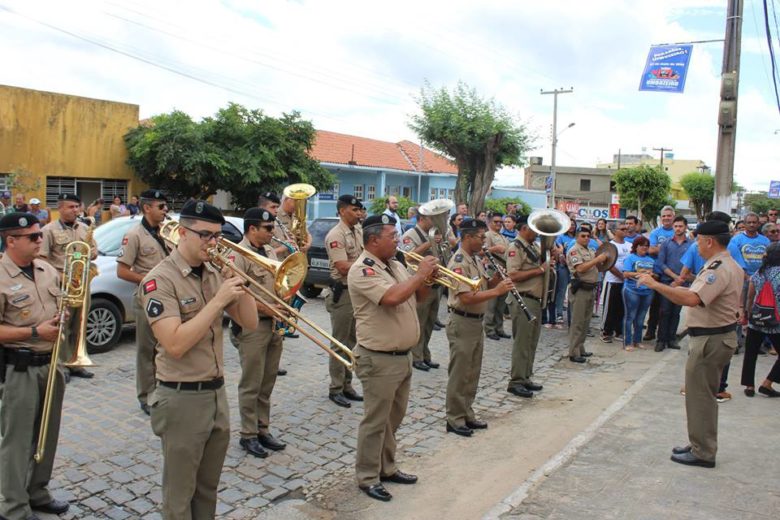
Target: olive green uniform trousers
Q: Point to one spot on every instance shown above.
(342, 322)
(526, 338)
(494, 316)
(259, 351)
(581, 309)
(467, 341)
(427, 312)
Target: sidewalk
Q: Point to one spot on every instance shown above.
(624, 471)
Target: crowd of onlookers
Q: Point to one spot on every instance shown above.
(94, 211)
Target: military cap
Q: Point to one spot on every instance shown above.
(253, 215)
(69, 196)
(17, 221)
(713, 227)
(584, 227)
(202, 210)
(6, 195)
(154, 195)
(719, 215)
(273, 197)
(521, 219)
(472, 224)
(351, 200)
(378, 220)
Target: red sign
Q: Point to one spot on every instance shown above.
(614, 211)
(568, 206)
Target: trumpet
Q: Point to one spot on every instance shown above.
(446, 277)
(220, 259)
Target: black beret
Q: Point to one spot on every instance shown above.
(713, 227)
(521, 219)
(351, 200)
(202, 210)
(379, 220)
(18, 221)
(584, 227)
(720, 216)
(472, 224)
(273, 197)
(154, 195)
(69, 196)
(253, 215)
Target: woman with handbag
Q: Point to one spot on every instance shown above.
(763, 321)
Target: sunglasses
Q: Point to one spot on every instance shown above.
(32, 237)
(205, 236)
(162, 206)
(268, 228)
(773, 231)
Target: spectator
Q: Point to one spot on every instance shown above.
(95, 211)
(636, 300)
(463, 210)
(133, 207)
(41, 214)
(771, 231)
(772, 216)
(669, 267)
(5, 202)
(411, 215)
(657, 237)
(482, 215)
(509, 230)
(391, 210)
(763, 219)
(769, 272)
(632, 228)
(21, 206)
(613, 311)
(739, 227)
(453, 237)
(562, 244)
(510, 208)
(602, 234)
(118, 209)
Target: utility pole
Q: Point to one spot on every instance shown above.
(554, 137)
(727, 109)
(662, 150)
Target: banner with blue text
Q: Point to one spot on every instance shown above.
(666, 68)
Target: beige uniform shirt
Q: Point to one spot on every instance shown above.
(470, 267)
(57, 236)
(27, 303)
(517, 259)
(719, 286)
(343, 245)
(377, 327)
(578, 255)
(415, 237)
(140, 250)
(260, 275)
(172, 290)
(492, 239)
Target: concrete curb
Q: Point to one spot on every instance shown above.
(570, 450)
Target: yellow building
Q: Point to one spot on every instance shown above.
(56, 143)
(675, 168)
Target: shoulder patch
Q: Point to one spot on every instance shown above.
(710, 279)
(368, 272)
(368, 261)
(150, 286)
(459, 257)
(334, 244)
(714, 265)
(154, 308)
(124, 241)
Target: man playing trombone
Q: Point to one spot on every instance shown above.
(261, 349)
(384, 296)
(28, 329)
(184, 298)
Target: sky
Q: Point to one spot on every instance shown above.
(357, 67)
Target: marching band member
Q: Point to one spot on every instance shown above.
(142, 249)
(184, 299)
(383, 295)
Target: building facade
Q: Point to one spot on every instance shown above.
(585, 186)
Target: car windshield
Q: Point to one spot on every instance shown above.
(109, 235)
(319, 229)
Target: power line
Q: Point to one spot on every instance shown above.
(771, 54)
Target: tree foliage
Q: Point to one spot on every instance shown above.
(238, 150)
(700, 188)
(760, 202)
(479, 134)
(644, 188)
(499, 205)
(378, 205)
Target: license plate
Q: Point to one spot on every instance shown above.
(320, 262)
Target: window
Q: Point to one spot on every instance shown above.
(3, 182)
(57, 185)
(442, 193)
(111, 189)
(371, 192)
(357, 191)
(432, 196)
(395, 190)
(451, 194)
(584, 184)
(406, 191)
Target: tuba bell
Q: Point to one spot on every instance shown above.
(438, 210)
(548, 224)
(300, 193)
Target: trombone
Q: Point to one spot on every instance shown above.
(446, 277)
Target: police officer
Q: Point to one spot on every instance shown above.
(28, 329)
(714, 299)
(525, 266)
(465, 330)
(384, 296)
(184, 299)
(416, 240)
(496, 244)
(261, 349)
(56, 237)
(582, 263)
(343, 243)
(142, 249)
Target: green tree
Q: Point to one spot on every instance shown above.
(499, 205)
(644, 188)
(700, 188)
(379, 205)
(242, 151)
(479, 134)
(760, 202)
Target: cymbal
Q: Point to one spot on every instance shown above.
(612, 253)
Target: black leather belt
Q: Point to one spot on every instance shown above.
(265, 318)
(214, 384)
(466, 314)
(14, 356)
(711, 331)
(388, 352)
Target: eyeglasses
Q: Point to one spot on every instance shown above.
(162, 206)
(32, 237)
(773, 231)
(205, 236)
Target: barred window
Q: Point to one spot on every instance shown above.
(357, 191)
(371, 192)
(111, 189)
(432, 196)
(3, 181)
(57, 185)
(406, 191)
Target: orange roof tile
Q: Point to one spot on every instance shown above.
(332, 147)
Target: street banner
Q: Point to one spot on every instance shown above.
(666, 68)
(774, 189)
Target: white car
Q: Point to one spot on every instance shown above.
(112, 297)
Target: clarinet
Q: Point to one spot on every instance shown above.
(514, 291)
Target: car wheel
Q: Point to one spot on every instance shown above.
(311, 291)
(104, 326)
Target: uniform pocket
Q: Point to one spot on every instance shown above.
(189, 307)
(158, 405)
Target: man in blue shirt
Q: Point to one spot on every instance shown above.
(748, 248)
(669, 266)
(632, 229)
(657, 237)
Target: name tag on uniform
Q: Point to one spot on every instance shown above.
(187, 301)
(20, 299)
